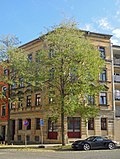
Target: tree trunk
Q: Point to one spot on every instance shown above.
(62, 121)
(62, 103)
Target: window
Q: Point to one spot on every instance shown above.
(52, 71)
(29, 125)
(37, 123)
(99, 139)
(19, 124)
(103, 98)
(103, 76)
(13, 105)
(37, 138)
(91, 100)
(6, 72)
(28, 138)
(103, 123)
(3, 110)
(51, 97)
(4, 89)
(14, 85)
(91, 124)
(117, 60)
(73, 123)
(51, 53)
(52, 126)
(28, 101)
(117, 111)
(52, 129)
(73, 127)
(21, 83)
(19, 137)
(20, 102)
(30, 57)
(102, 52)
(117, 94)
(117, 77)
(38, 100)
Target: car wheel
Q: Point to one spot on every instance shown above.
(111, 145)
(86, 147)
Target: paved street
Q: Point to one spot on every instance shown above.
(45, 154)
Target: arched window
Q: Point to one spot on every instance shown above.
(4, 89)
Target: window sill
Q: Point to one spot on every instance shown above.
(104, 105)
(4, 116)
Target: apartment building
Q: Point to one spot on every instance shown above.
(26, 115)
(3, 110)
(116, 90)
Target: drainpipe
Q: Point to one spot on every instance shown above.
(113, 89)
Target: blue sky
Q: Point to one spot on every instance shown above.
(28, 18)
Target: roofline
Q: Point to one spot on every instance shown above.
(88, 33)
(102, 34)
(32, 41)
(116, 46)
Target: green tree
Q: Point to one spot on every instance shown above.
(67, 67)
(13, 65)
(70, 65)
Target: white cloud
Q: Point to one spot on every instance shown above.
(88, 27)
(104, 24)
(118, 12)
(115, 41)
(116, 32)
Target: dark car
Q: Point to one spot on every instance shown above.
(94, 142)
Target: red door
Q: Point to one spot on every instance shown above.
(74, 127)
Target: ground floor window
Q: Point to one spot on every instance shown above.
(37, 123)
(3, 110)
(20, 124)
(52, 129)
(37, 138)
(74, 127)
(19, 137)
(28, 138)
(91, 124)
(29, 124)
(103, 123)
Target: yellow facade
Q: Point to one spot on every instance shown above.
(34, 113)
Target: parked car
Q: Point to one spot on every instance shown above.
(94, 142)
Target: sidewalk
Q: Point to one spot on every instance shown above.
(30, 146)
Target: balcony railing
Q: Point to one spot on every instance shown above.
(117, 78)
(117, 98)
(117, 94)
(117, 61)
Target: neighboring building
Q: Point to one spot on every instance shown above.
(3, 110)
(116, 91)
(31, 104)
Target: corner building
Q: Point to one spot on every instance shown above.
(32, 104)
